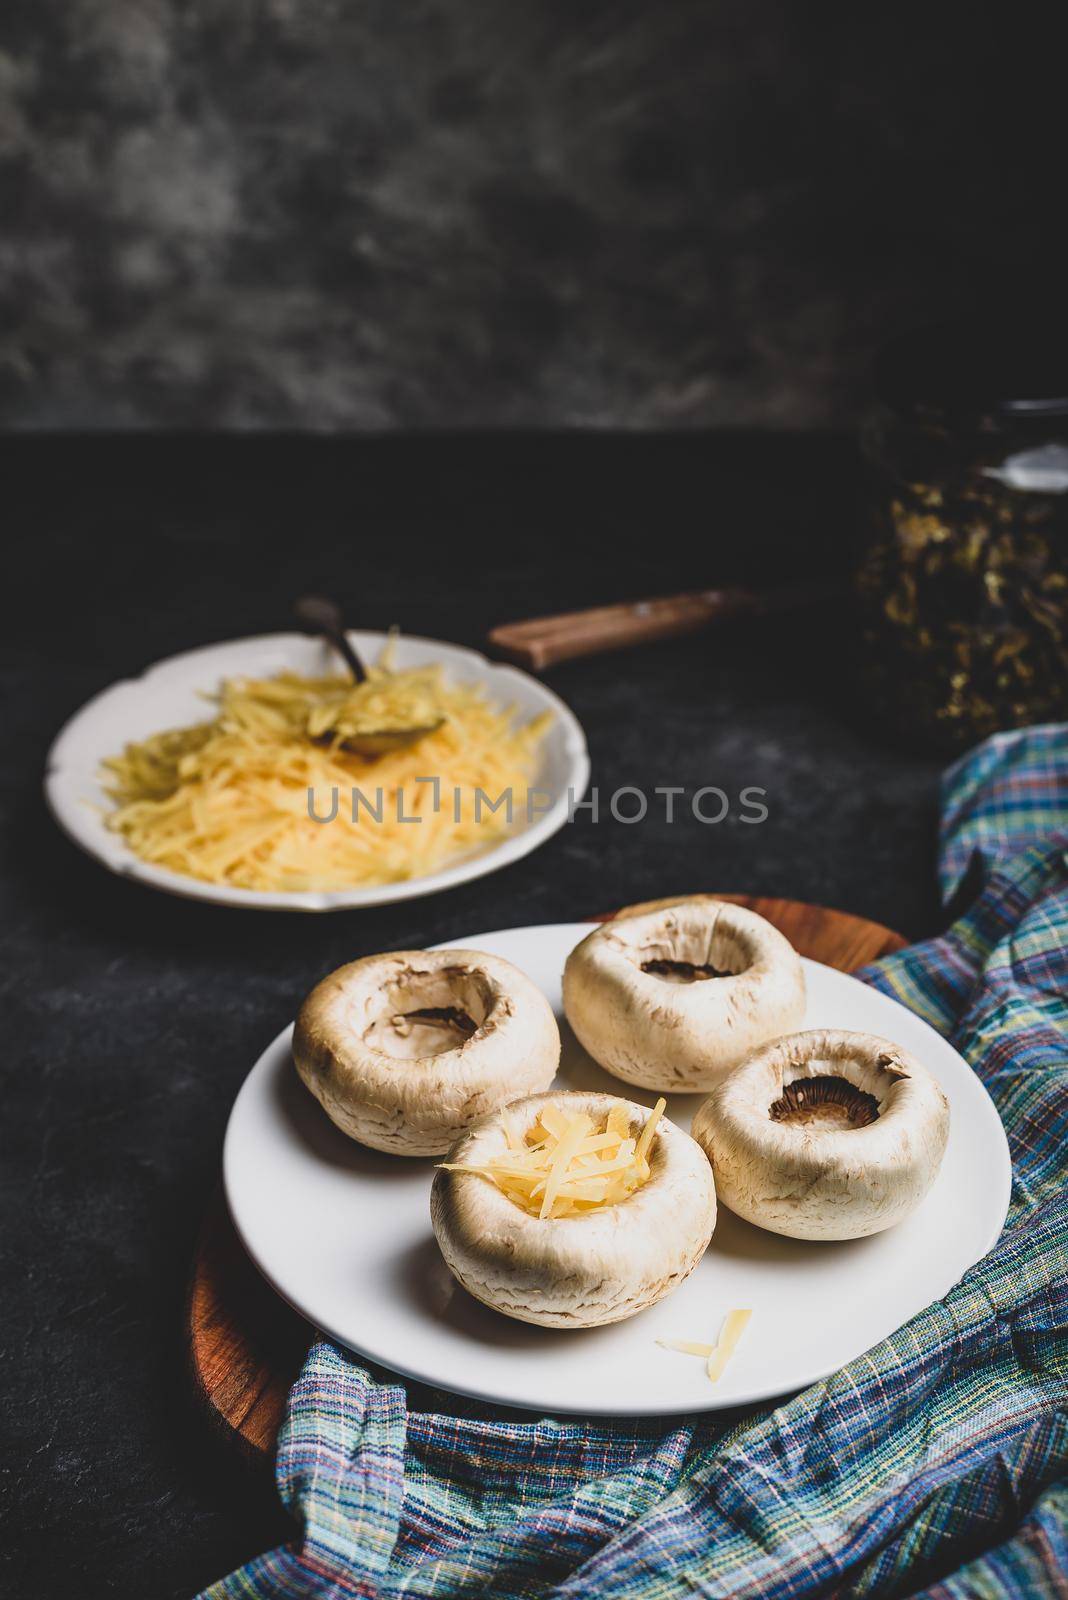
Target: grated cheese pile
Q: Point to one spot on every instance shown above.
(227, 801)
(715, 1355)
(564, 1167)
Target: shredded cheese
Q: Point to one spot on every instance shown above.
(730, 1333)
(564, 1167)
(687, 1347)
(715, 1355)
(227, 801)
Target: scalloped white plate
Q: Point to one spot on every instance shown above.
(344, 1235)
(170, 695)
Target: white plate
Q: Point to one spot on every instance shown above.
(344, 1234)
(171, 695)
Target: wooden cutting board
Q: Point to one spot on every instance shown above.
(246, 1345)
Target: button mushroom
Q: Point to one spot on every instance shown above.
(825, 1135)
(673, 998)
(573, 1271)
(405, 1051)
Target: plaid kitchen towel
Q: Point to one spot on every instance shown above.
(937, 1463)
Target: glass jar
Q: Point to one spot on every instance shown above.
(962, 585)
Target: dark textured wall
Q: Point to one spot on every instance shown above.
(391, 213)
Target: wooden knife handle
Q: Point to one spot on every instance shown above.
(544, 641)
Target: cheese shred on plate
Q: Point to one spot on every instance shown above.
(228, 801)
(715, 1355)
(565, 1166)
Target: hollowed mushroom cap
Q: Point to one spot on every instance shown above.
(675, 997)
(825, 1135)
(405, 1051)
(575, 1272)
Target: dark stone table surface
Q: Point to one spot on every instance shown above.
(307, 214)
(131, 1018)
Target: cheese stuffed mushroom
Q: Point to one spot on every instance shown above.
(600, 1262)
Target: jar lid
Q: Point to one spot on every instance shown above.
(977, 372)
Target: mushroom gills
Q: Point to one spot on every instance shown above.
(426, 1031)
(426, 1014)
(680, 952)
(824, 1102)
(450, 1018)
(683, 971)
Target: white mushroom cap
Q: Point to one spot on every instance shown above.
(405, 1051)
(579, 1271)
(825, 1135)
(675, 997)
